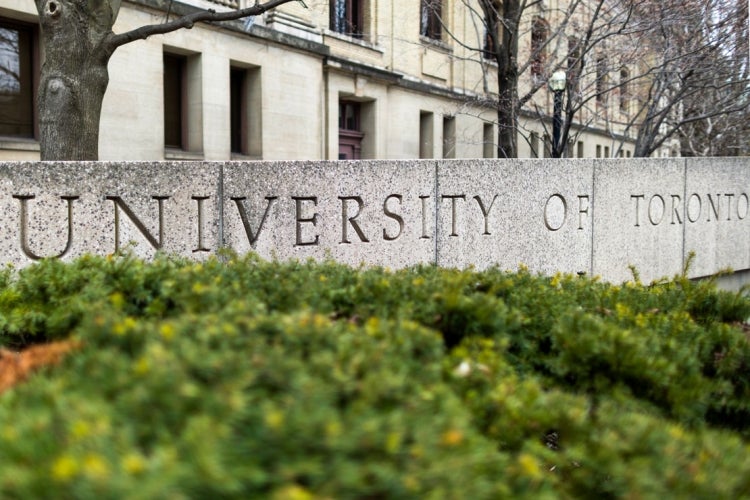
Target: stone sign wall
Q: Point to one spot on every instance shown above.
(581, 216)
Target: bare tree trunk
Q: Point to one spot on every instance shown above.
(74, 75)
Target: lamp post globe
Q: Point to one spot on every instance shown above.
(557, 84)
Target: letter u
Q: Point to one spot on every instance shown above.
(24, 226)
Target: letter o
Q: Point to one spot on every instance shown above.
(747, 206)
(558, 212)
(690, 204)
(650, 211)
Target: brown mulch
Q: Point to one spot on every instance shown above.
(16, 366)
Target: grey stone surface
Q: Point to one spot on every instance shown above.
(69, 209)
(717, 219)
(354, 212)
(639, 218)
(532, 212)
(592, 216)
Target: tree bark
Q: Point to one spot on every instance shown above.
(74, 75)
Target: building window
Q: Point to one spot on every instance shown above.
(492, 29)
(175, 101)
(430, 25)
(598, 151)
(426, 134)
(580, 149)
(449, 137)
(534, 145)
(183, 125)
(575, 64)
(17, 75)
(624, 90)
(539, 34)
(601, 80)
(245, 111)
(488, 142)
(347, 17)
(350, 131)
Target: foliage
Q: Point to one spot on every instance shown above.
(240, 378)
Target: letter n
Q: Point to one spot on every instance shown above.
(121, 205)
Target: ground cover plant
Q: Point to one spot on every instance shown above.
(239, 378)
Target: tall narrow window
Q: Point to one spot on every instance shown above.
(580, 149)
(16, 79)
(350, 131)
(624, 90)
(601, 79)
(449, 137)
(575, 64)
(488, 142)
(492, 28)
(237, 110)
(430, 24)
(175, 101)
(426, 134)
(347, 17)
(245, 111)
(539, 34)
(534, 144)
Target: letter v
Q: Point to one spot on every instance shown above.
(252, 237)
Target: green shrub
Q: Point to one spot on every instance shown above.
(239, 378)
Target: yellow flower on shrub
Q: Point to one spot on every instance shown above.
(64, 468)
(95, 467)
(133, 464)
(529, 466)
(452, 437)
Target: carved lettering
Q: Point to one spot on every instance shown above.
(747, 206)
(655, 221)
(394, 216)
(120, 204)
(582, 210)
(298, 205)
(714, 207)
(555, 225)
(24, 219)
(729, 197)
(351, 220)
(201, 246)
(637, 198)
(690, 204)
(454, 215)
(676, 199)
(425, 219)
(252, 237)
(485, 212)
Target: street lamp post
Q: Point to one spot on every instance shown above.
(557, 86)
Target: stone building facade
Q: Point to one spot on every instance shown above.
(338, 79)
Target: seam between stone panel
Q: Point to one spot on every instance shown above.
(221, 205)
(684, 217)
(436, 185)
(593, 218)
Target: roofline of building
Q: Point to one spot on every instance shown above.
(238, 26)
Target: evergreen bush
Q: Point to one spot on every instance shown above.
(240, 378)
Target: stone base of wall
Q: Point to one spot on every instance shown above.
(594, 217)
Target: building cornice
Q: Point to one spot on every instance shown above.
(238, 26)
